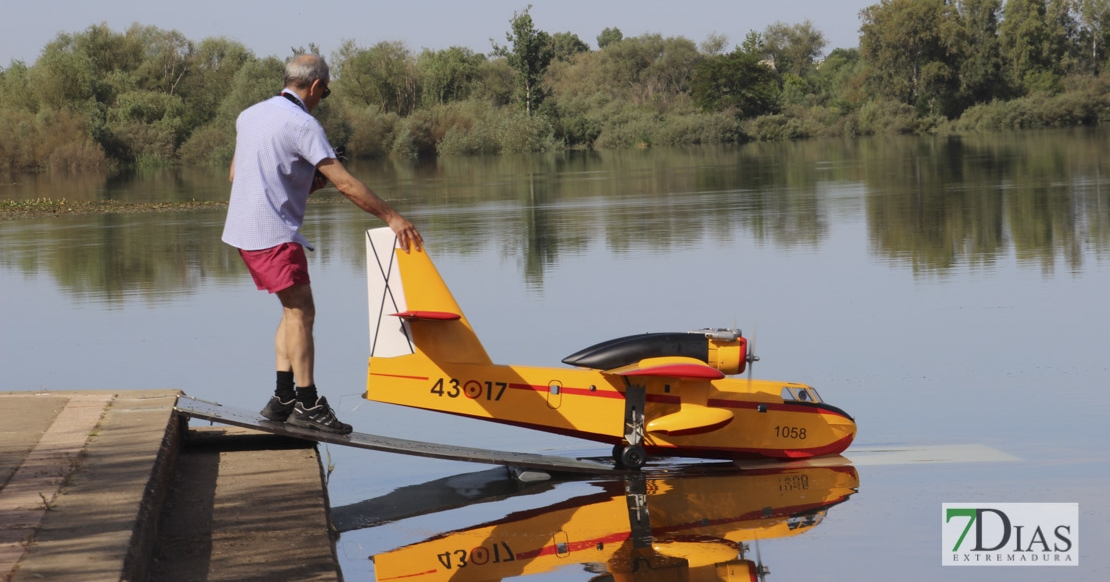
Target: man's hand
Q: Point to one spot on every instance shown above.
(406, 233)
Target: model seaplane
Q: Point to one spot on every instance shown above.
(663, 394)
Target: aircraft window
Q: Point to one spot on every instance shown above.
(805, 521)
(801, 394)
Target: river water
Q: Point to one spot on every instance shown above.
(949, 293)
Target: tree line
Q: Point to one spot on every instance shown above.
(99, 98)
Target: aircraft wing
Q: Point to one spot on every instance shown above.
(691, 418)
(670, 367)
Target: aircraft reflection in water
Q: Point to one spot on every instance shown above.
(646, 527)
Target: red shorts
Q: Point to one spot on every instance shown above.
(277, 268)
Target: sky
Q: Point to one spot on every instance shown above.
(273, 27)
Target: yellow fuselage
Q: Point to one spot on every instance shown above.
(682, 414)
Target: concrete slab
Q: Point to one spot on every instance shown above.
(84, 481)
(96, 525)
(35, 412)
(245, 505)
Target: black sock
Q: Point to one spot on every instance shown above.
(307, 395)
(285, 390)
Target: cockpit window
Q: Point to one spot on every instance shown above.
(800, 394)
(805, 521)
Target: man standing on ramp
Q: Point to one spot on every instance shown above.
(282, 155)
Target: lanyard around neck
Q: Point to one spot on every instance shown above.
(290, 97)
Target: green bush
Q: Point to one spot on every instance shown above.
(517, 132)
(211, 144)
(371, 133)
(428, 127)
(404, 146)
(698, 128)
(884, 117)
(461, 140)
(776, 128)
(55, 140)
(154, 143)
(574, 120)
(482, 129)
(18, 134)
(1084, 106)
(624, 126)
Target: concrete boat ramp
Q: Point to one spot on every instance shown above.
(114, 486)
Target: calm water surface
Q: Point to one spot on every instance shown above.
(943, 291)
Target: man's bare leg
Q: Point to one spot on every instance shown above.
(293, 343)
(294, 347)
(295, 355)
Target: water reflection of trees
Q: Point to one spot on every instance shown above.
(932, 204)
(114, 256)
(935, 204)
(536, 208)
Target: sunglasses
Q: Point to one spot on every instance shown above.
(327, 92)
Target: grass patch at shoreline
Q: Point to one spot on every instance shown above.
(38, 207)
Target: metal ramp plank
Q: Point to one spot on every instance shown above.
(215, 412)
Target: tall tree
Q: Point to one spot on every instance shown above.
(609, 36)
(838, 80)
(215, 64)
(714, 44)
(530, 55)
(1093, 34)
(647, 69)
(793, 48)
(449, 74)
(384, 74)
(65, 77)
(901, 43)
(1034, 40)
(738, 82)
(112, 52)
(971, 34)
(168, 58)
(567, 44)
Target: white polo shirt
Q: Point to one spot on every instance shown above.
(277, 146)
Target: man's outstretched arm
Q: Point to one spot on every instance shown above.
(366, 199)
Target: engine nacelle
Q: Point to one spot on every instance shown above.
(730, 357)
(724, 349)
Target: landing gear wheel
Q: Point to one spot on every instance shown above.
(630, 456)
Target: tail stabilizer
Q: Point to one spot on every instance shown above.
(411, 309)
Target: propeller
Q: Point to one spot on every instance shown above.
(751, 357)
(760, 570)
